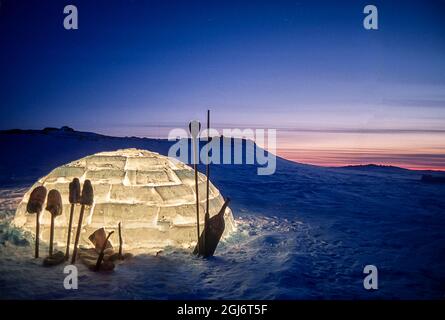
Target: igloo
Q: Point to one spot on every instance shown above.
(153, 196)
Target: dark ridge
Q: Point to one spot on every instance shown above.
(44, 130)
(19, 131)
(373, 166)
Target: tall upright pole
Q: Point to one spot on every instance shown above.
(207, 214)
(196, 190)
(195, 127)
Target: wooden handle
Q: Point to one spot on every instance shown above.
(51, 236)
(120, 241)
(36, 254)
(76, 240)
(70, 225)
(102, 252)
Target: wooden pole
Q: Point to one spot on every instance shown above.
(51, 236)
(197, 191)
(195, 127)
(76, 240)
(74, 198)
(120, 240)
(207, 214)
(70, 226)
(36, 254)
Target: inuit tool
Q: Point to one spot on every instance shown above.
(194, 128)
(213, 233)
(86, 199)
(54, 206)
(207, 215)
(102, 252)
(120, 241)
(74, 199)
(35, 205)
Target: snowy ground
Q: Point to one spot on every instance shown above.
(304, 233)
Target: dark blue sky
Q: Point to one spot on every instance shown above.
(299, 65)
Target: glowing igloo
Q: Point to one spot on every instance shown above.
(152, 195)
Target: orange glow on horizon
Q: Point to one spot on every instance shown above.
(338, 159)
(410, 151)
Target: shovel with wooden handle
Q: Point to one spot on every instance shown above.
(35, 205)
(86, 199)
(102, 252)
(54, 206)
(74, 199)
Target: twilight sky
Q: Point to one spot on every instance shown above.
(337, 93)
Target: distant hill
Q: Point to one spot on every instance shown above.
(33, 153)
(29, 154)
(45, 130)
(376, 167)
(387, 169)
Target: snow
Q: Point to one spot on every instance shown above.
(305, 232)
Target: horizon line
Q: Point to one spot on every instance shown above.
(327, 163)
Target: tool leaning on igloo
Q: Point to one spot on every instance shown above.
(54, 206)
